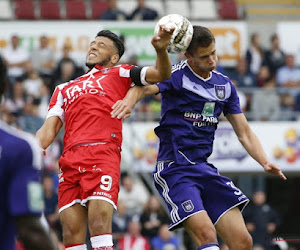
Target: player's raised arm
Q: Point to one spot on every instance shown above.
(161, 71)
(252, 144)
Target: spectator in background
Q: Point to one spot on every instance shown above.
(66, 57)
(288, 76)
(51, 204)
(113, 12)
(16, 103)
(274, 57)
(165, 240)
(43, 58)
(30, 121)
(287, 106)
(44, 96)
(263, 75)
(242, 75)
(265, 104)
(261, 220)
(32, 84)
(67, 72)
(133, 240)
(142, 12)
(153, 217)
(120, 222)
(242, 97)
(15, 58)
(254, 55)
(133, 195)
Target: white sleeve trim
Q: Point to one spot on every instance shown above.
(57, 109)
(143, 76)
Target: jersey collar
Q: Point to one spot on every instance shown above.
(97, 66)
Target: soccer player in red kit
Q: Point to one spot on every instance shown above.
(90, 162)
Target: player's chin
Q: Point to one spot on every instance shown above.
(212, 68)
(90, 64)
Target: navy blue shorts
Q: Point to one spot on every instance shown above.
(190, 189)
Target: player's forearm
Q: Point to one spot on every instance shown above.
(47, 133)
(134, 95)
(45, 137)
(253, 146)
(161, 71)
(163, 65)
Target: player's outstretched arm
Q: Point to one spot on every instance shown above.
(122, 108)
(47, 133)
(161, 71)
(252, 144)
(32, 234)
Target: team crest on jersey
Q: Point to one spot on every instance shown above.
(188, 206)
(220, 91)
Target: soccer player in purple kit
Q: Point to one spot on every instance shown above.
(21, 200)
(198, 197)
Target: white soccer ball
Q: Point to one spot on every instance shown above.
(182, 34)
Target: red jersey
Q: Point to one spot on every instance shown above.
(84, 105)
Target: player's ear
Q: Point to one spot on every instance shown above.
(187, 55)
(115, 58)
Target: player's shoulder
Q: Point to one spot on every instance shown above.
(125, 66)
(59, 87)
(123, 70)
(222, 79)
(22, 144)
(178, 68)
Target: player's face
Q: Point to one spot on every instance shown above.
(103, 52)
(203, 60)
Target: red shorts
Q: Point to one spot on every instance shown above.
(88, 173)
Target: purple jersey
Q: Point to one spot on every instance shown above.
(21, 191)
(191, 107)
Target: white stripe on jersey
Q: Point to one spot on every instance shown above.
(178, 66)
(124, 72)
(161, 182)
(209, 93)
(30, 139)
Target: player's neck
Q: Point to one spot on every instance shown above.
(201, 73)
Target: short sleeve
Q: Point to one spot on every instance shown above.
(56, 105)
(232, 106)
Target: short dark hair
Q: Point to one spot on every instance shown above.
(117, 41)
(202, 37)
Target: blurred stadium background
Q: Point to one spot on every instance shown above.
(267, 78)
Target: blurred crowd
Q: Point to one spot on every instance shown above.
(267, 80)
